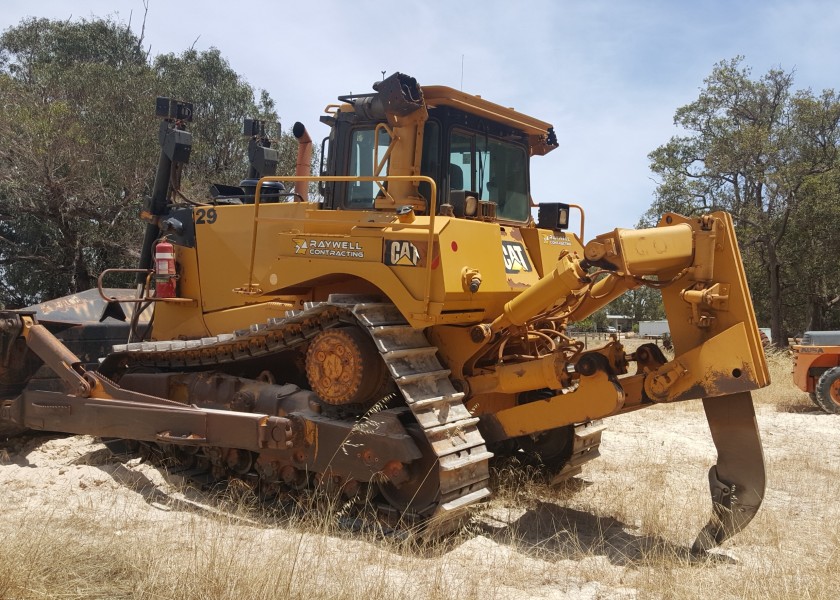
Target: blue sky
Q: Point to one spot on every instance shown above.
(608, 75)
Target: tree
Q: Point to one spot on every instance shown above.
(76, 158)
(814, 257)
(755, 148)
(640, 304)
(221, 99)
(80, 146)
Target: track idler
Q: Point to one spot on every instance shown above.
(737, 480)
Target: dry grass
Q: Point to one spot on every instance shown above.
(621, 531)
(189, 555)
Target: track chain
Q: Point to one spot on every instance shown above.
(585, 445)
(451, 431)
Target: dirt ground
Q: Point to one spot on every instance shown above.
(621, 530)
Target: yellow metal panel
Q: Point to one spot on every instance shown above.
(225, 247)
(225, 321)
(489, 404)
(596, 397)
(545, 246)
(503, 261)
(721, 365)
(537, 131)
(173, 321)
(686, 332)
(653, 251)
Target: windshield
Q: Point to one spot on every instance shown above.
(495, 170)
(361, 194)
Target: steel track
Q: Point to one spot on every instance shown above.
(461, 457)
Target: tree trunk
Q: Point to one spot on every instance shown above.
(815, 314)
(775, 268)
(81, 277)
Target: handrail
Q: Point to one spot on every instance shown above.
(100, 286)
(582, 216)
(251, 287)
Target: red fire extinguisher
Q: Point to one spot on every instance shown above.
(165, 275)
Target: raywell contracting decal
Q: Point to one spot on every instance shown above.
(516, 259)
(331, 248)
(555, 240)
(402, 253)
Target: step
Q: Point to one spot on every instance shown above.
(415, 364)
(445, 429)
(424, 388)
(443, 399)
(449, 447)
(409, 353)
(456, 463)
(452, 481)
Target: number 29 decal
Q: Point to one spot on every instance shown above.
(205, 215)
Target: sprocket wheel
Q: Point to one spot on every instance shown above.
(343, 367)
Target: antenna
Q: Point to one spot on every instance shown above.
(462, 72)
(383, 75)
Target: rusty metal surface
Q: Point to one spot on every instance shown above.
(16, 364)
(450, 429)
(737, 481)
(285, 444)
(344, 367)
(56, 356)
(152, 421)
(84, 307)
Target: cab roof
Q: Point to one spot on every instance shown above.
(541, 136)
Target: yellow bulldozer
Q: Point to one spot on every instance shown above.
(387, 336)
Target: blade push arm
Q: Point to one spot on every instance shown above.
(94, 405)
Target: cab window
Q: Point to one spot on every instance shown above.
(493, 169)
(361, 194)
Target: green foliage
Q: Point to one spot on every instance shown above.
(39, 45)
(221, 99)
(72, 172)
(80, 146)
(641, 304)
(769, 155)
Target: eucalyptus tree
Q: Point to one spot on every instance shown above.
(758, 149)
(80, 146)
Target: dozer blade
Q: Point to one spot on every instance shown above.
(737, 480)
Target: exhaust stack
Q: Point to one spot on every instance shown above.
(304, 160)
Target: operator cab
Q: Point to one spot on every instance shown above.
(476, 151)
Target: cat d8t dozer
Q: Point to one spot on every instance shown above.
(390, 337)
